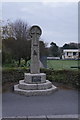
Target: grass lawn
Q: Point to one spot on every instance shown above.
(53, 64)
(63, 64)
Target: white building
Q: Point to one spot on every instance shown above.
(71, 54)
(53, 58)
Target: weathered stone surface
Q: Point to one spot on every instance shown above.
(34, 92)
(45, 85)
(26, 86)
(28, 78)
(41, 86)
(35, 33)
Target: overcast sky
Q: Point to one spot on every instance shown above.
(58, 21)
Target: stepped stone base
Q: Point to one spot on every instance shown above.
(34, 84)
(40, 86)
(34, 92)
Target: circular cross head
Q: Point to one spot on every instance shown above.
(35, 30)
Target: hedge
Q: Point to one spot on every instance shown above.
(13, 74)
(68, 77)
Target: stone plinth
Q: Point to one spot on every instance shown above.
(35, 78)
(34, 84)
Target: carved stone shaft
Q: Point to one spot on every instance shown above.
(35, 33)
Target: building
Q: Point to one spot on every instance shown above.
(53, 58)
(71, 54)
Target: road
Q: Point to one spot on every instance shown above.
(61, 102)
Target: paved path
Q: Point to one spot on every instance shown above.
(61, 102)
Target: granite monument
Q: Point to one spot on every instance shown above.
(35, 83)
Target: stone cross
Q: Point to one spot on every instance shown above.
(35, 33)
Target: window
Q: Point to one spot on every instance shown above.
(74, 53)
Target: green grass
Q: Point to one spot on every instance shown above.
(62, 64)
(15, 64)
(53, 64)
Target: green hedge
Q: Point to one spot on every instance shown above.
(13, 74)
(67, 77)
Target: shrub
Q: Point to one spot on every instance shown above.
(67, 77)
(13, 74)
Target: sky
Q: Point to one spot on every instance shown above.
(58, 20)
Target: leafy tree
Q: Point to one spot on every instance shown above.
(54, 50)
(70, 46)
(73, 46)
(21, 34)
(65, 46)
(17, 41)
(19, 31)
(6, 54)
(26, 51)
(42, 48)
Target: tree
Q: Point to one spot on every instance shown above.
(19, 31)
(42, 48)
(73, 45)
(26, 51)
(54, 50)
(17, 41)
(7, 50)
(70, 46)
(65, 46)
(21, 34)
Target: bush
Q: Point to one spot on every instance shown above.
(67, 77)
(13, 74)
